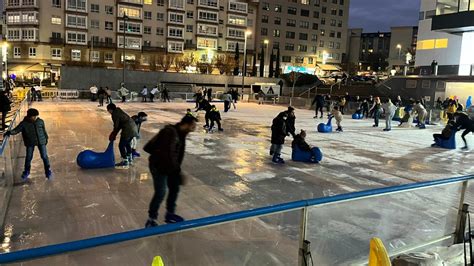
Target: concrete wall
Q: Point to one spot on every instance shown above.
(85, 77)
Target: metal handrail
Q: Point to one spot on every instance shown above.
(57, 249)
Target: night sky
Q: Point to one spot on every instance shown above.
(380, 15)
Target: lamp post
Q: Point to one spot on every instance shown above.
(125, 18)
(244, 67)
(399, 47)
(266, 42)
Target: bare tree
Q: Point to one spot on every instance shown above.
(165, 62)
(183, 62)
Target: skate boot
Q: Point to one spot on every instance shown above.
(280, 160)
(130, 159)
(49, 174)
(172, 218)
(135, 154)
(124, 164)
(151, 223)
(25, 175)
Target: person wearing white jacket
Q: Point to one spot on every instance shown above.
(144, 93)
(390, 110)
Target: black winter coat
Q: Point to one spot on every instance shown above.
(278, 130)
(215, 115)
(290, 125)
(318, 100)
(5, 104)
(33, 132)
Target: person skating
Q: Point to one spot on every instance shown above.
(165, 94)
(101, 93)
(94, 92)
(371, 102)
(5, 107)
(123, 92)
(153, 92)
(278, 137)
(198, 97)
(364, 106)
(108, 92)
(422, 114)
(389, 109)
(205, 106)
(342, 104)
(125, 124)
(33, 131)
(138, 119)
(398, 102)
(144, 94)
(319, 102)
(209, 94)
(464, 122)
(227, 101)
(445, 133)
(166, 151)
(452, 108)
(338, 116)
(215, 116)
(235, 97)
(290, 121)
(261, 97)
(376, 110)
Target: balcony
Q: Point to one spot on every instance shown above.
(454, 23)
(102, 44)
(190, 46)
(21, 4)
(153, 49)
(59, 41)
(214, 4)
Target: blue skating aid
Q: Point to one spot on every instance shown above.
(298, 155)
(94, 160)
(325, 128)
(357, 116)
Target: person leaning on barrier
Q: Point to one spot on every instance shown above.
(5, 107)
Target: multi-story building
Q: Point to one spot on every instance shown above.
(51, 33)
(446, 35)
(362, 47)
(307, 32)
(402, 47)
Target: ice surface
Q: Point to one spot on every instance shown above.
(230, 171)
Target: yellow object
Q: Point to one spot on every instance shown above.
(378, 255)
(157, 261)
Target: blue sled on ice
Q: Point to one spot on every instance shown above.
(325, 128)
(446, 143)
(94, 160)
(313, 156)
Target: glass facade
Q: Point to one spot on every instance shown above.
(444, 7)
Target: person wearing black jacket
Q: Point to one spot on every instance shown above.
(290, 121)
(299, 142)
(464, 122)
(102, 94)
(319, 101)
(206, 106)
(278, 137)
(166, 151)
(215, 116)
(5, 107)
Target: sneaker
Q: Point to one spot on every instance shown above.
(172, 218)
(25, 175)
(221, 129)
(315, 116)
(151, 223)
(136, 154)
(375, 126)
(386, 129)
(464, 148)
(49, 174)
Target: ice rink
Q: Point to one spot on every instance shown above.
(230, 171)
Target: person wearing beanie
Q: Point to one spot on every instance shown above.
(166, 151)
(34, 134)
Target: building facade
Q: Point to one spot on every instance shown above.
(46, 34)
(307, 32)
(446, 35)
(402, 50)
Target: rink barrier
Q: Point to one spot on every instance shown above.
(57, 249)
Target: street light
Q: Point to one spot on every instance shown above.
(5, 56)
(125, 19)
(244, 67)
(399, 47)
(266, 42)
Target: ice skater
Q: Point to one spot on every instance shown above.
(206, 106)
(123, 92)
(128, 128)
(153, 92)
(166, 151)
(235, 97)
(376, 110)
(138, 119)
(364, 106)
(278, 137)
(319, 103)
(338, 116)
(464, 122)
(215, 116)
(102, 94)
(144, 94)
(389, 109)
(34, 134)
(227, 97)
(165, 95)
(108, 92)
(422, 114)
(290, 121)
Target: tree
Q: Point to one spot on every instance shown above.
(183, 62)
(237, 59)
(262, 61)
(165, 62)
(225, 63)
(277, 68)
(254, 65)
(270, 68)
(152, 63)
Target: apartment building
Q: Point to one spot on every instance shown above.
(362, 46)
(308, 32)
(48, 33)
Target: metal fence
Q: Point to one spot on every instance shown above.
(406, 217)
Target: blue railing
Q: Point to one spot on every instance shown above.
(57, 249)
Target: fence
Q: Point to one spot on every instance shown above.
(9, 157)
(406, 217)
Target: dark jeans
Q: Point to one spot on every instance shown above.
(109, 99)
(206, 117)
(439, 136)
(226, 106)
(124, 147)
(144, 98)
(93, 97)
(365, 113)
(341, 108)
(152, 96)
(101, 100)
(4, 115)
(29, 157)
(320, 109)
(218, 122)
(160, 182)
(376, 117)
(124, 98)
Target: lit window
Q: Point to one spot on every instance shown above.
(426, 44)
(441, 43)
(147, 2)
(206, 43)
(76, 55)
(56, 20)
